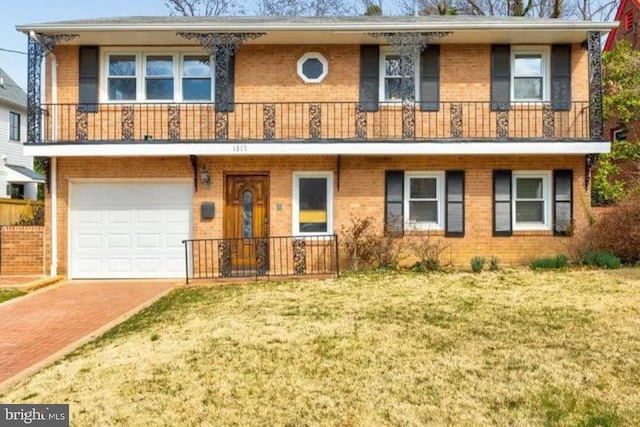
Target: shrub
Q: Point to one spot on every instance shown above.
(477, 264)
(358, 242)
(386, 251)
(494, 263)
(429, 252)
(618, 232)
(601, 259)
(32, 214)
(559, 261)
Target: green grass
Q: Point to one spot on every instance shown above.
(7, 294)
(513, 347)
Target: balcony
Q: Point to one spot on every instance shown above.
(313, 122)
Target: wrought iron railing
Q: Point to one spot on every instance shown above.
(261, 257)
(294, 121)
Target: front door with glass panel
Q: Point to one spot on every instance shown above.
(246, 221)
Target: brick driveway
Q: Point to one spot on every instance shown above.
(36, 329)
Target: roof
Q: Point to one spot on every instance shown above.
(10, 91)
(621, 8)
(22, 174)
(163, 30)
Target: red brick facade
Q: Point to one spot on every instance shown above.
(22, 249)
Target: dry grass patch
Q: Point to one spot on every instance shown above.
(7, 294)
(513, 347)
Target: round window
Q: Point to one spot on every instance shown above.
(312, 67)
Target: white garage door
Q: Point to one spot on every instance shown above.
(129, 230)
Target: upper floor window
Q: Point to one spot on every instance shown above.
(14, 126)
(313, 67)
(391, 75)
(149, 76)
(530, 74)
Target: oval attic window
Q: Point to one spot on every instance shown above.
(312, 67)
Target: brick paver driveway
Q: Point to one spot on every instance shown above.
(36, 327)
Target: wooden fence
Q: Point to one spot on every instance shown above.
(11, 209)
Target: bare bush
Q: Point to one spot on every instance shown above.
(429, 250)
(619, 231)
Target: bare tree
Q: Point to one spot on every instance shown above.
(204, 7)
(305, 8)
(372, 7)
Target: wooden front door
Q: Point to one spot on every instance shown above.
(246, 220)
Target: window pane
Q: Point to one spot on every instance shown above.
(122, 65)
(528, 65)
(159, 88)
(196, 89)
(527, 87)
(312, 68)
(313, 205)
(159, 66)
(422, 188)
(423, 212)
(530, 212)
(529, 188)
(392, 65)
(247, 215)
(392, 88)
(196, 66)
(122, 89)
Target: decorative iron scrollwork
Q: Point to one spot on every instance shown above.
(594, 52)
(222, 129)
(502, 124)
(269, 121)
(315, 121)
(224, 258)
(548, 120)
(262, 257)
(39, 46)
(456, 120)
(82, 124)
(361, 122)
(408, 119)
(299, 256)
(589, 161)
(174, 122)
(127, 123)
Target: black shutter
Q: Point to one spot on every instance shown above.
(369, 77)
(430, 78)
(500, 77)
(221, 86)
(562, 201)
(394, 202)
(561, 77)
(454, 204)
(502, 203)
(88, 78)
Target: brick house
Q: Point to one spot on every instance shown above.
(260, 138)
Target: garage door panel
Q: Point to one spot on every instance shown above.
(129, 230)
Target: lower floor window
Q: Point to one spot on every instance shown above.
(312, 202)
(423, 200)
(15, 191)
(531, 200)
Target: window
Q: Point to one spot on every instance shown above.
(531, 200)
(16, 191)
(159, 77)
(530, 71)
(313, 67)
(391, 76)
(148, 76)
(312, 203)
(196, 78)
(14, 126)
(423, 200)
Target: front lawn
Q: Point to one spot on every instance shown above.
(509, 348)
(7, 294)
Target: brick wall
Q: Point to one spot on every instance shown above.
(361, 193)
(22, 250)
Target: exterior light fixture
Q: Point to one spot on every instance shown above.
(205, 177)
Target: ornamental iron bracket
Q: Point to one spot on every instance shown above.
(194, 166)
(39, 46)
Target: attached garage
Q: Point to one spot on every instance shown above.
(129, 229)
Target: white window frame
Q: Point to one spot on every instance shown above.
(384, 52)
(182, 76)
(545, 54)
(295, 205)
(17, 128)
(319, 57)
(413, 225)
(546, 198)
(140, 57)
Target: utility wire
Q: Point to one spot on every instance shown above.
(13, 51)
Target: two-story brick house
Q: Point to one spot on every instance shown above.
(480, 130)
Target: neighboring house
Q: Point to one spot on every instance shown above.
(477, 130)
(17, 178)
(628, 16)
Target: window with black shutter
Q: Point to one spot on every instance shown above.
(394, 202)
(502, 203)
(500, 77)
(430, 78)
(454, 204)
(88, 78)
(369, 77)
(561, 77)
(562, 201)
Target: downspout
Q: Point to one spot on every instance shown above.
(53, 188)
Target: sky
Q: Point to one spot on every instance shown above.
(38, 11)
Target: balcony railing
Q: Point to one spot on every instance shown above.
(261, 257)
(313, 121)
